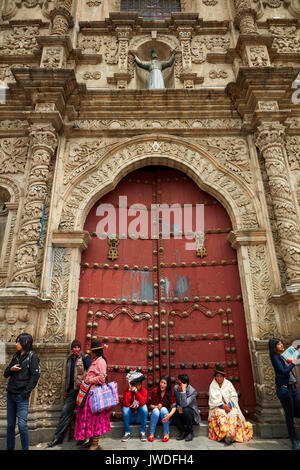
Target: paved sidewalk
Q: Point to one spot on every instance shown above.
(198, 443)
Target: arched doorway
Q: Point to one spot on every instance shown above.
(159, 306)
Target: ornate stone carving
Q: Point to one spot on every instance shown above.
(91, 76)
(52, 58)
(214, 74)
(270, 141)
(56, 319)
(262, 289)
(20, 41)
(272, 3)
(245, 17)
(185, 35)
(90, 44)
(232, 153)
(210, 3)
(258, 56)
(43, 145)
(82, 157)
(14, 322)
(105, 171)
(94, 3)
(225, 123)
(111, 50)
(13, 155)
(49, 387)
(61, 17)
(200, 45)
(286, 38)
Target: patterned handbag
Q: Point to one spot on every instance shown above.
(82, 394)
(104, 397)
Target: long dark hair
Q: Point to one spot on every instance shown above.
(25, 340)
(168, 389)
(272, 346)
(98, 352)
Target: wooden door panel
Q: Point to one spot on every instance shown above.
(162, 317)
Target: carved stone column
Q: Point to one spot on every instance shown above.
(271, 143)
(188, 78)
(61, 17)
(123, 35)
(245, 17)
(43, 145)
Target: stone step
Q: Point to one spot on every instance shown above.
(117, 430)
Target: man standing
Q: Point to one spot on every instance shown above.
(187, 412)
(23, 373)
(77, 366)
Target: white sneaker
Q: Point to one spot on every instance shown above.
(143, 436)
(126, 437)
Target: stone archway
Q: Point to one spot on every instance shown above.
(92, 171)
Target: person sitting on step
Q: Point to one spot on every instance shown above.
(162, 407)
(134, 405)
(187, 412)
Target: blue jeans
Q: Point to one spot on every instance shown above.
(157, 417)
(17, 407)
(139, 416)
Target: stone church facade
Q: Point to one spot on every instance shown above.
(77, 117)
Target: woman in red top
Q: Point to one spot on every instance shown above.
(163, 406)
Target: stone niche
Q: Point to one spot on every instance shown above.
(144, 53)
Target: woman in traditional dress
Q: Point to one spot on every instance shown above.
(225, 420)
(88, 425)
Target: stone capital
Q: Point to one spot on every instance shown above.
(269, 134)
(71, 239)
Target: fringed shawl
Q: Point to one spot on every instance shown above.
(226, 391)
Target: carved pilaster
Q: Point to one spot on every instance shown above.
(185, 36)
(43, 144)
(123, 77)
(271, 143)
(61, 17)
(245, 17)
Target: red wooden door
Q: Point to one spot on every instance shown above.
(159, 306)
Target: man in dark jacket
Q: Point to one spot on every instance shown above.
(187, 412)
(23, 373)
(77, 366)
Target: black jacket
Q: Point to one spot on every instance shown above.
(282, 371)
(24, 380)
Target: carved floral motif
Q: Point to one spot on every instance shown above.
(49, 387)
(13, 154)
(261, 288)
(21, 40)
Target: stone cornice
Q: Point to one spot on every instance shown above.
(74, 239)
(240, 238)
(21, 296)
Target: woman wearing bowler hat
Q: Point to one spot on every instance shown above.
(225, 420)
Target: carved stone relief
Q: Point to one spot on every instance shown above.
(104, 173)
(49, 387)
(13, 155)
(15, 321)
(262, 289)
(56, 319)
(286, 38)
(20, 41)
(201, 45)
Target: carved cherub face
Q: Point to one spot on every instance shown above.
(11, 316)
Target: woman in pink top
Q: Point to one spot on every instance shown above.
(89, 425)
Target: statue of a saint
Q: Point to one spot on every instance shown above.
(155, 67)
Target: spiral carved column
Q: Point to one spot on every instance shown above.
(270, 141)
(43, 146)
